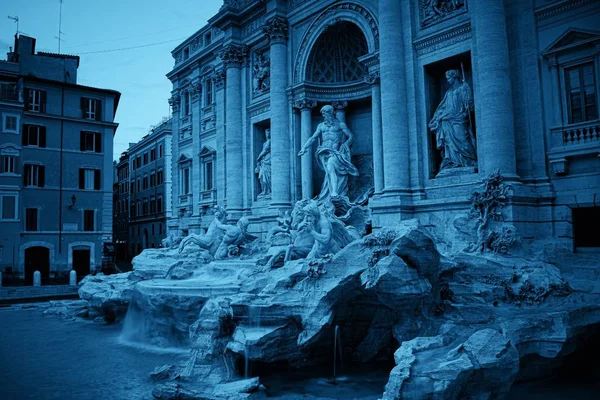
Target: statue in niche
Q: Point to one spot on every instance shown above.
(211, 240)
(333, 154)
(263, 166)
(261, 74)
(452, 125)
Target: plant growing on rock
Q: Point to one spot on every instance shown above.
(487, 206)
(316, 267)
(380, 242)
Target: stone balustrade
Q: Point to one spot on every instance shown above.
(574, 134)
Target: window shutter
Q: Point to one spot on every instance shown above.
(42, 176)
(83, 101)
(42, 136)
(81, 141)
(25, 173)
(98, 139)
(25, 135)
(81, 179)
(96, 179)
(43, 102)
(98, 110)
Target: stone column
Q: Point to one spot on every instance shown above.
(233, 57)
(373, 80)
(276, 30)
(305, 106)
(339, 107)
(394, 118)
(494, 105)
(221, 182)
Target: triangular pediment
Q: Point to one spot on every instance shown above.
(572, 38)
(184, 158)
(207, 151)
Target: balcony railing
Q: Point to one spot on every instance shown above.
(185, 199)
(573, 140)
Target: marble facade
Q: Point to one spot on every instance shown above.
(273, 64)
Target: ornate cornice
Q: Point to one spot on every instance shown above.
(373, 78)
(443, 39)
(233, 55)
(560, 8)
(276, 30)
(219, 78)
(305, 104)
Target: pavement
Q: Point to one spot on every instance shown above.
(21, 294)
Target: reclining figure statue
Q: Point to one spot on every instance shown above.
(211, 240)
(236, 236)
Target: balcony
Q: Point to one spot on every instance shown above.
(208, 196)
(185, 199)
(573, 140)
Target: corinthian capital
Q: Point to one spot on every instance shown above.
(233, 55)
(276, 30)
(305, 104)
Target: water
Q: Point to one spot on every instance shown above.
(45, 357)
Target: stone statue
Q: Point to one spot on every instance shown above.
(211, 240)
(452, 125)
(333, 154)
(263, 166)
(171, 241)
(434, 10)
(260, 74)
(235, 237)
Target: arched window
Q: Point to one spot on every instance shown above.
(334, 57)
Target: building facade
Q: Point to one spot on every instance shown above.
(149, 191)
(438, 95)
(56, 180)
(121, 208)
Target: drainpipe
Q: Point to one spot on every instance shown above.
(60, 176)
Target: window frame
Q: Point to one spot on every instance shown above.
(5, 158)
(37, 219)
(96, 141)
(40, 135)
(84, 220)
(579, 65)
(91, 108)
(17, 123)
(16, 206)
(34, 175)
(96, 184)
(36, 104)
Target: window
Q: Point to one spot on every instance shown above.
(34, 175)
(138, 162)
(152, 180)
(132, 212)
(36, 100)
(138, 208)
(90, 108)
(145, 209)
(160, 229)
(145, 158)
(90, 141)
(152, 206)
(34, 135)
(185, 100)
(186, 53)
(9, 207)
(10, 123)
(185, 181)
(132, 187)
(160, 151)
(581, 93)
(208, 94)
(208, 175)
(9, 164)
(152, 155)
(89, 179)
(88, 220)
(145, 184)
(159, 177)
(9, 91)
(139, 185)
(159, 205)
(31, 219)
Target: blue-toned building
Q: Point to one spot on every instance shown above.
(56, 177)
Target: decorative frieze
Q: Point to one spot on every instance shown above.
(560, 8)
(234, 56)
(305, 104)
(435, 11)
(261, 74)
(443, 39)
(219, 78)
(276, 30)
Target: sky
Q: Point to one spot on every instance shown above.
(91, 28)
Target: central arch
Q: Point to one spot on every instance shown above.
(346, 12)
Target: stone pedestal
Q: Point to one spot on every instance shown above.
(276, 30)
(493, 99)
(37, 278)
(306, 107)
(73, 278)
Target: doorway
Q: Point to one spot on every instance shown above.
(37, 258)
(81, 262)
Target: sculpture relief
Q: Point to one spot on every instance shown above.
(263, 166)
(433, 11)
(261, 81)
(211, 240)
(333, 154)
(452, 125)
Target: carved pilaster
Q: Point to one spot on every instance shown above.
(372, 78)
(234, 56)
(305, 104)
(219, 79)
(276, 30)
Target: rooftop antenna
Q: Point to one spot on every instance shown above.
(60, 33)
(16, 19)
